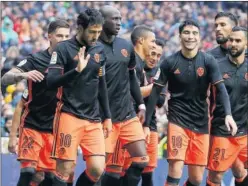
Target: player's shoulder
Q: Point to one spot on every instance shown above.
(64, 45)
(223, 61)
(123, 43)
(44, 54)
(122, 40)
(214, 50)
(173, 58)
(207, 57)
(30, 58)
(97, 48)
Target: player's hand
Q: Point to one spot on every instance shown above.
(12, 145)
(147, 134)
(32, 75)
(82, 61)
(231, 125)
(142, 113)
(107, 127)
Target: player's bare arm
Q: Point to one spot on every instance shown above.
(15, 75)
(56, 79)
(13, 141)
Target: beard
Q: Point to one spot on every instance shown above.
(236, 54)
(221, 41)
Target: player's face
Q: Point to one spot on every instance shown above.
(112, 23)
(237, 43)
(60, 34)
(149, 43)
(190, 37)
(223, 28)
(91, 34)
(154, 57)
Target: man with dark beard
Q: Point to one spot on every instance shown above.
(224, 22)
(229, 151)
(121, 84)
(77, 67)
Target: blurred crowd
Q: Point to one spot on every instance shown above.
(24, 28)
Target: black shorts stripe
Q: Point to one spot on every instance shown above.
(116, 152)
(56, 127)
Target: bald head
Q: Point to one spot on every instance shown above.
(112, 19)
(108, 11)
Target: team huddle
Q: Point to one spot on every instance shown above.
(100, 92)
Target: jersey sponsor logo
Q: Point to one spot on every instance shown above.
(246, 76)
(226, 76)
(54, 58)
(97, 58)
(200, 71)
(124, 52)
(22, 63)
(177, 71)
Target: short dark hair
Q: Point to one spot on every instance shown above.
(59, 23)
(240, 28)
(90, 16)
(139, 31)
(232, 17)
(188, 22)
(160, 42)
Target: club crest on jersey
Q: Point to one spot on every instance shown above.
(246, 76)
(76, 58)
(226, 76)
(174, 152)
(200, 71)
(22, 62)
(97, 58)
(53, 58)
(124, 52)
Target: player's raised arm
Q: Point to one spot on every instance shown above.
(156, 90)
(56, 76)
